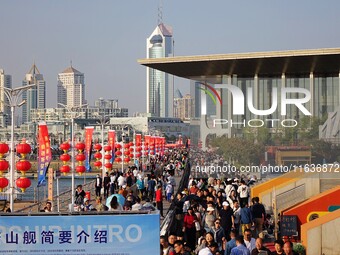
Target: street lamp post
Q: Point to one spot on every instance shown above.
(73, 112)
(13, 96)
(123, 137)
(102, 122)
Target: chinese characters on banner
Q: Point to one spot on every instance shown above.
(80, 234)
(45, 155)
(112, 139)
(88, 147)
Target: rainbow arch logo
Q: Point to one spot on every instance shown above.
(213, 94)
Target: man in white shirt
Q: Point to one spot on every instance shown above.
(249, 241)
(121, 181)
(243, 191)
(210, 250)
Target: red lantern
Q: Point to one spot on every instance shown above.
(80, 169)
(4, 148)
(152, 152)
(23, 148)
(138, 148)
(23, 183)
(118, 153)
(118, 160)
(80, 157)
(65, 157)
(146, 153)
(98, 164)
(3, 183)
(65, 146)
(126, 153)
(23, 166)
(131, 155)
(107, 148)
(108, 156)
(126, 146)
(131, 144)
(80, 146)
(97, 147)
(108, 165)
(138, 155)
(4, 165)
(118, 146)
(97, 155)
(127, 160)
(131, 149)
(65, 169)
(138, 143)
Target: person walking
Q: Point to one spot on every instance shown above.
(159, 199)
(98, 185)
(106, 184)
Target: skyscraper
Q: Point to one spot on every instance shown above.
(71, 88)
(5, 111)
(35, 97)
(159, 84)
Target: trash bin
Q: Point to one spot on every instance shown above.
(88, 195)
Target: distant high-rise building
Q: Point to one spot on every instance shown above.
(5, 111)
(159, 84)
(71, 88)
(35, 97)
(183, 106)
(106, 103)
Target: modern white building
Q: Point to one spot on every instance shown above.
(71, 88)
(35, 97)
(160, 92)
(261, 78)
(5, 111)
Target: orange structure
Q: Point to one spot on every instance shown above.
(321, 236)
(315, 206)
(280, 181)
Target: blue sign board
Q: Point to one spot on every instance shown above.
(80, 234)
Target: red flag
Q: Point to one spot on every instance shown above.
(45, 154)
(88, 147)
(112, 140)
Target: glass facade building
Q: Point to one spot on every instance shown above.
(159, 84)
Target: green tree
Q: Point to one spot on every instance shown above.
(238, 150)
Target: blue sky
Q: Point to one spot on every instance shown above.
(104, 38)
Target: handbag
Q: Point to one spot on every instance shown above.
(197, 226)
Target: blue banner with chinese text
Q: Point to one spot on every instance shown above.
(80, 234)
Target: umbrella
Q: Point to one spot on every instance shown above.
(192, 197)
(120, 198)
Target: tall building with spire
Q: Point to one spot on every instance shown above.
(160, 92)
(71, 88)
(35, 97)
(5, 111)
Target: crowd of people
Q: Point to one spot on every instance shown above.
(216, 215)
(219, 217)
(142, 187)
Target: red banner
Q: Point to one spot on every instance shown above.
(45, 154)
(88, 147)
(138, 139)
(111, 142)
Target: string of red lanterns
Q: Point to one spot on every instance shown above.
(107, 157)
(65, 168)
(4, 165)
(98, 155)
(80, 169)
(23, 165)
